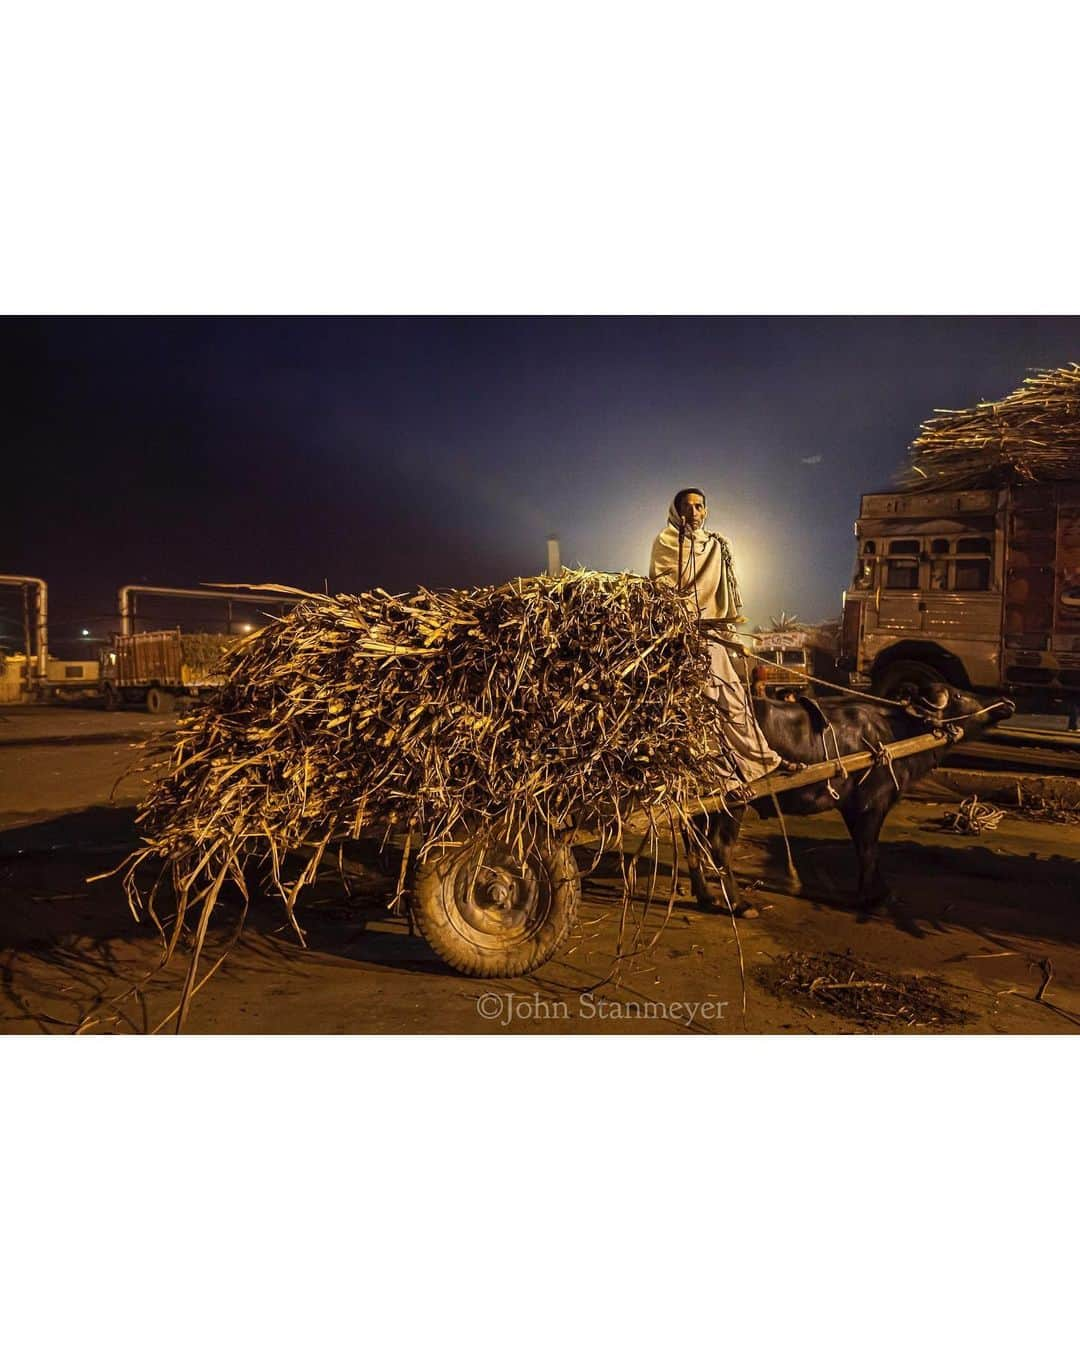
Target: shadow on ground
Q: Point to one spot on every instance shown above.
(68, 945)
(937, 887)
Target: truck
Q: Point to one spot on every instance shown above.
(66, 680)
(63, 681)
(979, 587)
(157, 669)
(779, 663)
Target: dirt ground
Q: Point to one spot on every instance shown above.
(982, 922)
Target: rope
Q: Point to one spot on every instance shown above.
(1001, 703)
(763, 745)
(816, 679)
(882, 759)
(841, 767)
(872, 698)
(973, 817)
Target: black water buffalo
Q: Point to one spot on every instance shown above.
(809, 732)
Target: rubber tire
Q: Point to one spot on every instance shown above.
(432, 895)
(113, 698)
(160, 701)
(891, 680)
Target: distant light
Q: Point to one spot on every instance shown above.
(245, 628)
(86, 632)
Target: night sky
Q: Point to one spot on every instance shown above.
(399, 452)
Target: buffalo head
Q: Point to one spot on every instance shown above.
(941, 704)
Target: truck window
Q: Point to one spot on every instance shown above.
(939, 546)
(902, 574)
(973, 571)
(795, 657)
(972, 574)
(869, 547)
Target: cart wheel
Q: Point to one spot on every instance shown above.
(486, 913)
(160, 700)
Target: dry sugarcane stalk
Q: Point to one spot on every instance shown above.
(519, 712)
(1033, 435)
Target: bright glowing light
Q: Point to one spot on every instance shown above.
(245, 628)
(86, 632)
(623, 540)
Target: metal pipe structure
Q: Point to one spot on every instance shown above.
(126, 594)
(42, 626)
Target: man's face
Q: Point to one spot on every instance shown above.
(693, 510)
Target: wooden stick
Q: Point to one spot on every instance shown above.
(833, 768)
(1047, 968)
(638, 821)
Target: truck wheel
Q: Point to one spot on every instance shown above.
(159, 701)
(905, 676)
(487, 913)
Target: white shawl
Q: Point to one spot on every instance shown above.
(708, 574)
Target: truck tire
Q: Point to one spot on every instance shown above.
(900, 675)
(112, 698)
(487, 913)
(160, 700)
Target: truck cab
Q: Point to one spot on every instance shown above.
(978, 587)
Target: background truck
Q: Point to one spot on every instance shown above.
(980, 587)
(156, 669)
(780, 661)
(786, 657)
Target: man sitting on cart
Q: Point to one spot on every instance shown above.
(697, 562)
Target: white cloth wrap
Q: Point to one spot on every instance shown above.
(742, 736)
(707, 580)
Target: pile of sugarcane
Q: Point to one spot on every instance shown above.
(513, 712)
(1033, 435)
(203, 651)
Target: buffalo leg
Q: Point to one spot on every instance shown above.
(720, 830)
(695, 864)
(865, 827)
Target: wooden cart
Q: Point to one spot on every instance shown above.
(487, 912)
